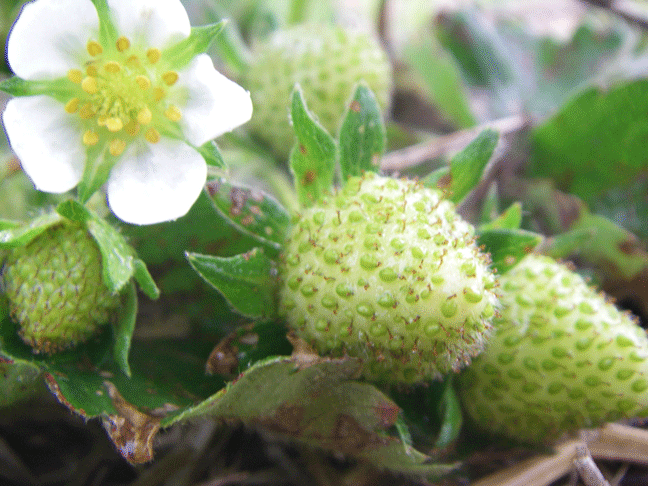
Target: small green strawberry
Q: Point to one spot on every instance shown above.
(387, 271)
(562, 357)
(55, 288)
(327, 61)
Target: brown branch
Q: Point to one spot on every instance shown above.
(627, 10)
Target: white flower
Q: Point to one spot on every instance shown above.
(111, 94)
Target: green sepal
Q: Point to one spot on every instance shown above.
(232, 49)
(119, 259)
(312, 159)
(20, 235)
(565, 244)
(509, 219)
(145, 280)
(451, 417)
(107, 30)
(124, 328)
(507, 246)
(362, 134)
(250, 211)
(246, 281)
(59, 89)
(181, 54)
(212, 155)
(97, 168)
(467, 167)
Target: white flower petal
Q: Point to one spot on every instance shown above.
(158, 182)
(214, 104)
(47, 141)
(50, 37)
(151, 23)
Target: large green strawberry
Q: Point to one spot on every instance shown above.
(55, 288)
(327, 61)
(562, 357)
(387, 271)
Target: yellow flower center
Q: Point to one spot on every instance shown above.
(122, 93)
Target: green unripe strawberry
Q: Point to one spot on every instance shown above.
(387, 271)
(562, 357)
(327, 61)
(55, 288)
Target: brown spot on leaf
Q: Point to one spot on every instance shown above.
(238, 198)
(309, 178)
(302, 149)
(131, 431)
(287, 419)
(387, 413)
(213, 188)
(628, 247)
(445, 182)
(355, 106)
(349, 436)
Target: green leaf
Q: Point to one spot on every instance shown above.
(232, 49)
(452, 421)
(22, 235)
(250, 211)
(442, 79)
(466, 167)
(507, 246)
(312, 404)
(19, 379)
(312, 160)
(362, 135)
(615, 250)
(509, 219)
(181, 54)
(124, 329)
(565, 244)
(212, 155)
(596, 141)
(247, 281)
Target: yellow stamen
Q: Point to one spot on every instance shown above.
(116, 147)
(86, 112)
(152, 135)
(153, 55)
(114, 124)
(112, 67)
(143, 82)
(101, 121)
(94, 48)
(132, 128)
(122, 44)
(173, 113)
(72, 106)
(144, 116)
(89, 85)
(158, 93)
(90, 138)
(133, 60)
(75, 75)
(91, 70)
(170, 78)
